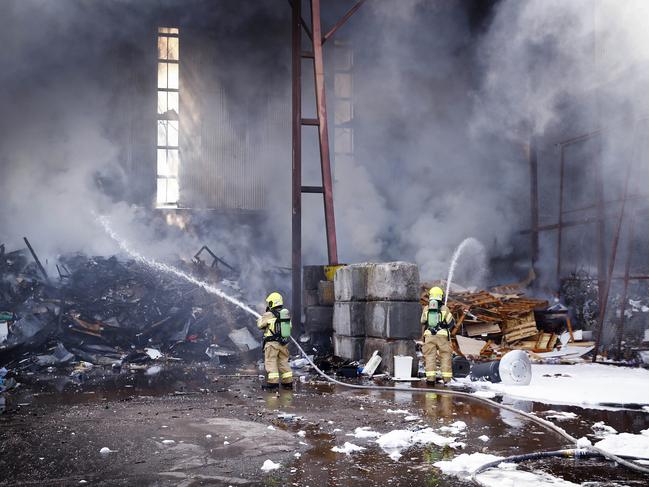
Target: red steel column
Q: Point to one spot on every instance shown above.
(296, 103)
(323, 132)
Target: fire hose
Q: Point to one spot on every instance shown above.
(581, 446)
(578, 453)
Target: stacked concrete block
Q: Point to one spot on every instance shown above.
(377, 308)
(318, 307)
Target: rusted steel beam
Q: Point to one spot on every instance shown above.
(305, 25)
(601, 242)
(296, 159)
(579, 138)
(625, 289)
(554, 226)
(323, 132)
(534, 200)
(611, 266)
(615, 278)
(631, 197)
(307, 31)
(36, 259)
(560, 224)
(310, 121)
(342, 21)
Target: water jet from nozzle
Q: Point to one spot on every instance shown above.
(105, 223)
(473, 242)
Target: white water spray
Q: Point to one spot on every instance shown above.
(456, 255)
(172, 270)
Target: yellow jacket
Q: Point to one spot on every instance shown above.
(447, 318)
(266, 322)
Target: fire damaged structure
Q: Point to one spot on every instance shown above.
(309, 242)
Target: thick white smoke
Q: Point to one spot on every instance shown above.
(442, 109)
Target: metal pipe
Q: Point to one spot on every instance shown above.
(38, 262)
(625, 289)
(296, 157)
(534, 200)
(342, 21)
(323, 132)
(611, 266)
(579, 138)
(601, 245)
(560, 228)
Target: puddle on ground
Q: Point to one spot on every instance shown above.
(507, 433)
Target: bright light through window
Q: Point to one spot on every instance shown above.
(168, 152)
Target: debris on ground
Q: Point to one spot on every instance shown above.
(111, 312)
(489, 324)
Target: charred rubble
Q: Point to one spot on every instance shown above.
(111, 312)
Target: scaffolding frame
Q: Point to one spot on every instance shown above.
(605, 266)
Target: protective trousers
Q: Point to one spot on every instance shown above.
(434, 344)
(276, 363)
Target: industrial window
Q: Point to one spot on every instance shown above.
(168, 153)
(343, 104)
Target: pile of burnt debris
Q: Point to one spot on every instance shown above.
(490, 323)
(111, 312)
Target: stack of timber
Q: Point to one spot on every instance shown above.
(491, 323)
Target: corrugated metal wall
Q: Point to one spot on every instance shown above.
(226, 135)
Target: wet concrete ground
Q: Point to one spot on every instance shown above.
(206, 426)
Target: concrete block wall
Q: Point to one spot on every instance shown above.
(377, 308)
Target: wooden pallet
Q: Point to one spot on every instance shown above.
(519, 327)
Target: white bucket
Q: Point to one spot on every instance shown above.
(402, 367)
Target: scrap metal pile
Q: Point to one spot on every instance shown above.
(106, 311)
(488, 324)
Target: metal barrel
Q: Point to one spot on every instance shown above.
(486, 371)
(461, 366)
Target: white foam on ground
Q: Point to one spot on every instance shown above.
(603, 430)
(485, 394)
(397, 411)
(454, 428)
(626, 444)
(559, 415)
(364, 432)
(270, 465)
(587, 385)
(396, 441)
(484, 438)
(347, 448)
(505, 475)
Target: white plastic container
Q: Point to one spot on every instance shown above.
(402, 367)
(372, 364)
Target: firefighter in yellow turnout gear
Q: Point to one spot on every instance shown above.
(276, 323)
(437, 321)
